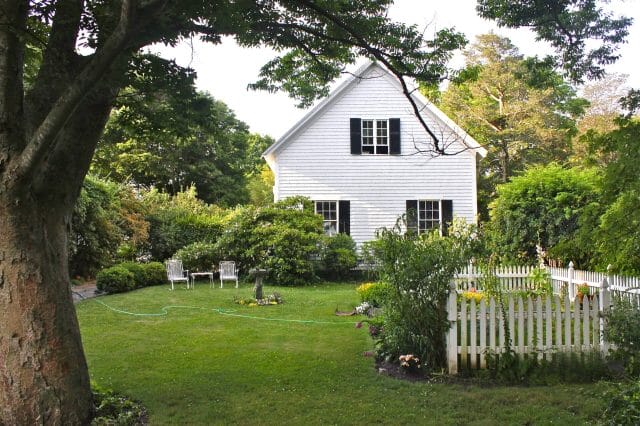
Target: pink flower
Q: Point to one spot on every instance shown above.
(359, 324)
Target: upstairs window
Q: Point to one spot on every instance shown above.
(375, 136)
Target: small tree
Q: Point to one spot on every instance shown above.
(419, 269)
(281, 238)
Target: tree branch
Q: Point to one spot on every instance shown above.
(45, 135)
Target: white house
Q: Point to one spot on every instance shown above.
(356, 156)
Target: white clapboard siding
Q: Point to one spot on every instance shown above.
(538, 327)
(317, 162)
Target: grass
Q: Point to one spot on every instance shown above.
(197, 366)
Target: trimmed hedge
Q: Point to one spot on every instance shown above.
(128, 276)
(116, 279)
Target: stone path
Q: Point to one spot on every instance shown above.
(84, 291)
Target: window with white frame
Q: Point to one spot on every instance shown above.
(329, 212)
(375, 136)
(428, 215)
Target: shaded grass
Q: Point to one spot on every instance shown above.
(198, 366)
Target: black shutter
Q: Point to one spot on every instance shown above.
(447, 215)
(394, 136)
(344, 220)
(412, 215)
(356, 136)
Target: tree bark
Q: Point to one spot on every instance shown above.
(43, 373)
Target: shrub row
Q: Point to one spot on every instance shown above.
(285, 238)
(128, 276)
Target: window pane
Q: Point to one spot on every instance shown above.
(381, 133)
(428, 215)
(329, 212)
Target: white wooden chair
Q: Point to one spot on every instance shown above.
(175, 272)
(228, 272)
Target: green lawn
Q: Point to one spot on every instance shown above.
(261, 365)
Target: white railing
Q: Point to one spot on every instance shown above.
(537, 326)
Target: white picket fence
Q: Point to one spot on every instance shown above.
(537, 326)
(563, 280)
(619, 285)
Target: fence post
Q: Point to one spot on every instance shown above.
(452, 337)
(604, 299)
(572, 290)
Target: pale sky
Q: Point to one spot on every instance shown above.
(225, 70)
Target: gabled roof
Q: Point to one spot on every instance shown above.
(421, 102)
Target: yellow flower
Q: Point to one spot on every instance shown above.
(473, 295)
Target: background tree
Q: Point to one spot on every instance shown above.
(547, 205)
(600, 117)
(260, 187)
(162, 132)
(518, 108)
(108, 222)
(618, 233)
(584, 35)
(49, 132)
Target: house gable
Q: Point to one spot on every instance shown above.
(457, 140)
(316, 159)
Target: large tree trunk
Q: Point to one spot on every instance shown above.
(43, 376)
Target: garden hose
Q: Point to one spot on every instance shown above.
(164, 311)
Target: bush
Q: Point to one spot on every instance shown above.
(179, 221)
(155, 273)
(115, 409)
(418, 269)
(623, 331)
(338, 256)
(107, 218)
(374, 293)
(281, 238)
(624, 404)
(145, 274)
(199, 257)
(116, 279)
(139, 277)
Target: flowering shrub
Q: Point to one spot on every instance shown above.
(418, 269)
(473, 294)
(272, 299)
(363, 308)
(410, 363)
(374, 293)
